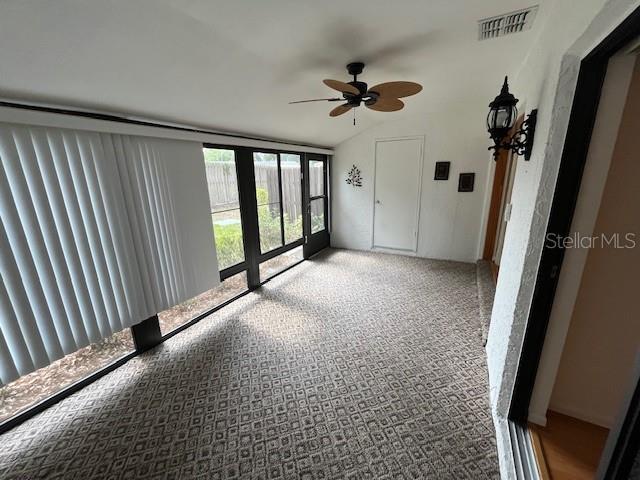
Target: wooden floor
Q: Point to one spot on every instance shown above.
(570, 448)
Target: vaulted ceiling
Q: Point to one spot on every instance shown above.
(233, 65)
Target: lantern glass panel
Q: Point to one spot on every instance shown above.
(502, 117)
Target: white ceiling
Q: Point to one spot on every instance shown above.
(233, 65)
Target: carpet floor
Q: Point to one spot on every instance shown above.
(352, 365)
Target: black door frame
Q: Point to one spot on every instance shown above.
(245, 171)
(285, 247)
(593, 69)
(314, 242)
(621, 450)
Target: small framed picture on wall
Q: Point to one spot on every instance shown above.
(465, 183)
(442, 171)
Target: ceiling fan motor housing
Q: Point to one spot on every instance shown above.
(355, 68)
(361, 86)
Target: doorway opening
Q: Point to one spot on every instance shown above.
(603, 335)
(500, 204)
(589, 365)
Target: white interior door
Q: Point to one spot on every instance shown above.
(397, 193)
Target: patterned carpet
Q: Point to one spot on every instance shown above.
(352, 365)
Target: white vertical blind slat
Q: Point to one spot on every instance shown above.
(7, 370)
(135, 163)
(116, 213)
(165, 225)
(44, 241)
(102, 296)
(25, 346)
(159, 232)
(175, 246)
(25, 244)
(97, 233)
(75, 241)
(131, 216)
(111, 274)
(43, 181)
(102, 243)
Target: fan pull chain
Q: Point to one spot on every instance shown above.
(354, 116)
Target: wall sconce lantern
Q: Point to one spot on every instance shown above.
(502, 116)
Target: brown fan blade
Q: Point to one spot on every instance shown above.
(341, 86)
(396, 89)
(387, 105)
(340, 109)
(318, 100)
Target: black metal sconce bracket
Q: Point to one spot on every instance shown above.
(521, 143)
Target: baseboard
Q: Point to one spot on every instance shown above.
(406, 253)
(589, 417)
(538, 419)
(394, 251)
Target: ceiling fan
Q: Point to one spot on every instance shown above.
(384, 97)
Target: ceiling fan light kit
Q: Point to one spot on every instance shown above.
(384, 97)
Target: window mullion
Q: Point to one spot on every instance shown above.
(281, 200)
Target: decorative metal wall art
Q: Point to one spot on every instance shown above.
(353, 177)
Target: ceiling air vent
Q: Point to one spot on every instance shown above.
(506, 24)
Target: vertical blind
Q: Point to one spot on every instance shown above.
(97, 233)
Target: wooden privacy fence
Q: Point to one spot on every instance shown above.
(222, 184)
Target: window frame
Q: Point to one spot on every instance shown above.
(284, 247)
(240, 266)
(324, 196)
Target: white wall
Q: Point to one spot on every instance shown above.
(450, 222)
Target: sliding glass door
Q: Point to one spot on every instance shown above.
(266, 167)
(278, 189)
(278, 179)
(269, 209)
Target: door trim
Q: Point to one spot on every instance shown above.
(421, 138)
(623, 441)
(506, 161)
